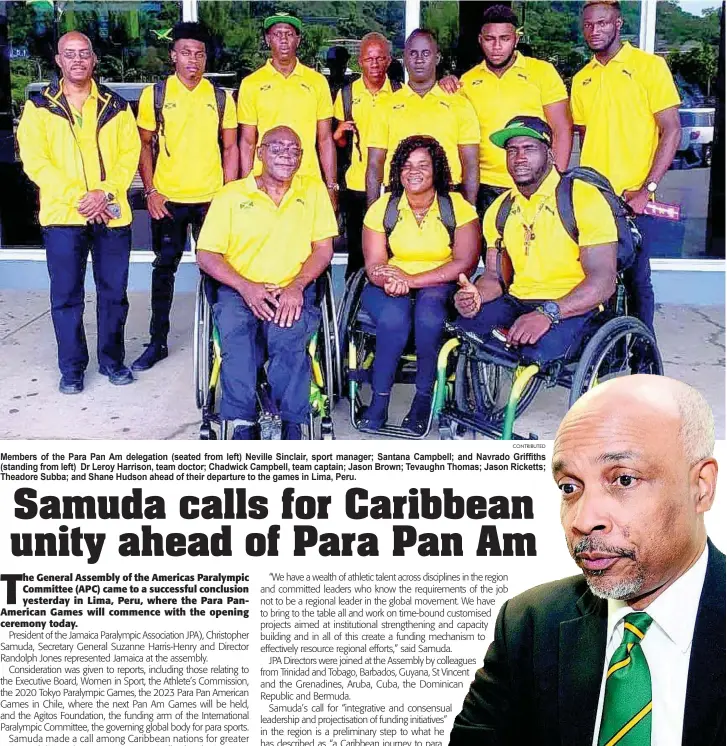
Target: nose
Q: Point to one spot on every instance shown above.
(589, 514)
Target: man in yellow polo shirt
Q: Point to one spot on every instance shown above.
(185, 117)
(422, 108)
(626, 108)
(286, 92)
(79, 144)
(505, 84)
(367, 97)
(266, 240)
(557, 284)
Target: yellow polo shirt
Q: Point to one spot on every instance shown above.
(551, 268)
(417, 247)
(450, 119)
(262, 242)
(525, 89)
(64, 159)
(268, 99)
(366, 107)
(616, 104)
(192, 170)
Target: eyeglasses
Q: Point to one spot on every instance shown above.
(276, 149)
(188, 54)
(82, 54)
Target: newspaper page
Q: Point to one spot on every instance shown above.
(172, 593)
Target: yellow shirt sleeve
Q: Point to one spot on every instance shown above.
(374, 219)
(217, 227)
(324, 109)
(468, 125)
(145, 118)
(595, 221)
(338, 107)
(325, 224)
(552, 88)
(489, 230)
(661, 90)
(229, 117)
(576, 104)
(247, 105)
(464, 212)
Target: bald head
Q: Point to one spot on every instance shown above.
(280, 153)
(668, 401)
(633, 461)
(279, 133)
(76, 59)
(73, 36)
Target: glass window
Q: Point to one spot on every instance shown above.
(688, 37)
(240, 46)
(131, 42)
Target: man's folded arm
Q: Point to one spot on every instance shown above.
(485, 719)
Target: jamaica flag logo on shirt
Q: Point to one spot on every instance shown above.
(246, 204)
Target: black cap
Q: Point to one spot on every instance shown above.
(533, 127)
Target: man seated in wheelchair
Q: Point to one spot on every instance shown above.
(266, 240)
(559, 279)
(417, 240)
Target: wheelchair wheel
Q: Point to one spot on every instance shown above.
(202, 353)
(481, 389)
(347, 309)
(330, 353)
(623, 346)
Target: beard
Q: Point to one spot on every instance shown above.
(499, 66)
(599, 582)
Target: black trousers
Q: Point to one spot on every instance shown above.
(67, 248)
(169, 236)
(354, 204)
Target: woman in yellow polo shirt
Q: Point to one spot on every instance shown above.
(413, 276)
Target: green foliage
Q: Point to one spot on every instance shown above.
(443, 19)
(698, 66)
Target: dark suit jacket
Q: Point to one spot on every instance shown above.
(542, 673)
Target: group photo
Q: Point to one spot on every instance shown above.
(319, 220)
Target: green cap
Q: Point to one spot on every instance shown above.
(523, 126)
(283, 18)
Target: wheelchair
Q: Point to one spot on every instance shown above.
(325, 364)
(357, 342)
(492, 386)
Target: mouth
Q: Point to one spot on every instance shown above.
(597, 561)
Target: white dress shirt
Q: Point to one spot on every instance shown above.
(667, 647)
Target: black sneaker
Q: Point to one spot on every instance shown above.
(291, 431)
(119, 375)
(154, 352)
(418, 418)
(71, 383)
(375, 415)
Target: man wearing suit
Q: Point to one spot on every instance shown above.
(633, 651)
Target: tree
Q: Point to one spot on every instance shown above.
(697, 66)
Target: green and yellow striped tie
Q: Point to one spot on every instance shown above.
(626, 718)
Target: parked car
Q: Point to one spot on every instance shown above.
(695, 148)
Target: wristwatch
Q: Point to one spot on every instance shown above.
(651, 187)
(333, 187)
(550, 309)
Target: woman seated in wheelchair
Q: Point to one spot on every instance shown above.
(558, 283)
(266, 240)
(417, 240)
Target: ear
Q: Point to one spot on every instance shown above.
(58, 60)
(704, 484)
(619, 23)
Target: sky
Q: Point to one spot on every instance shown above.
(696, 6)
